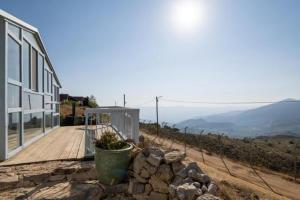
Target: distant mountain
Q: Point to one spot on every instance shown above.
(279, 118)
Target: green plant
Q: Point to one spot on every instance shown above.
(110, 141)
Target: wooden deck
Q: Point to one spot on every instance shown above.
(61, 143)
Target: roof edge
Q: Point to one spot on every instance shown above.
(17, 20)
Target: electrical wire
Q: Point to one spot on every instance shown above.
(236, 102)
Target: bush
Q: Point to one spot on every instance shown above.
(110, 141)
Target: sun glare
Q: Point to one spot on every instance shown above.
(186, 15)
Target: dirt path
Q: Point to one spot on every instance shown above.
(243, 175)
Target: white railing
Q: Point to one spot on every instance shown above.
(123, 121)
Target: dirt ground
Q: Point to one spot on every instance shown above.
(242, 174)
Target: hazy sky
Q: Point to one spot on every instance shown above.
(235, 51)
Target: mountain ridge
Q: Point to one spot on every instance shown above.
(281, 117)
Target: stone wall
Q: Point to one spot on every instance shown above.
(160, 175)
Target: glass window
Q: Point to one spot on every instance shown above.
(32, 101)
(50, 83)
(45, 80)
(13, 96)
(40, 72)
(13, 59)
(31, 38)
(16, 31)
(33, 125)
(14, 131)
(48, 121)
(56, 108)
(26, 64)
(34, 70)
(56, 93)
(55, 120)
(48, 102)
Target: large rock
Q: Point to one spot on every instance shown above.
(158, 185)
(184, 172)
(174, 156)
(200, 177)
(158, 196)
(164, 173)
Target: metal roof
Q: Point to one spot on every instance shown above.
(33, 29)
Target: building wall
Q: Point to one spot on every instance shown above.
(29, 92)
(3, 111)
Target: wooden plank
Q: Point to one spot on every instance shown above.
(81, 152)
(66, 152)
(76, 145)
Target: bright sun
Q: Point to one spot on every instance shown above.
(186, 15)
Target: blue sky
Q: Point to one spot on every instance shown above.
(242, 50)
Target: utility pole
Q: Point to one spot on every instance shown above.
(185, 140)
(156, 100)
(157, 125)
(124, 100)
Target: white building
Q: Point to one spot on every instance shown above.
(29, 87)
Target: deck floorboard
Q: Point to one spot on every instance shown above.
(61, 143)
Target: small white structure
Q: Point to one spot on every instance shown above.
(122, 120)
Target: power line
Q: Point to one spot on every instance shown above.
(142, 104)
(229, 102)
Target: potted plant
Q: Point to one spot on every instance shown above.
(112, 158)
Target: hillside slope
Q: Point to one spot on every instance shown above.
(278, 118)
(243, 175)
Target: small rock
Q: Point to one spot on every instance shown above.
(158, 185)
(139, 162)
(140, 179)
(135, 187)
(186, 191)
(212, 188)
(145, 173)
(172, 190)
(154, 150)
(58, 177)
(187, 180)
(150, 168)
(154, 160)
(174, 156)
(208, 197)
(148, 189)
(158, 196)
(140, 197)
(177, 180)
(177, 166)
(197, 184)
(116, 189)
(204, 188)
(164, 173)
(184, 172)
